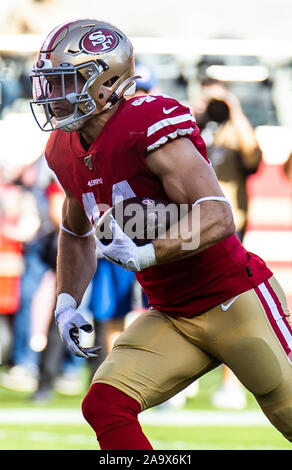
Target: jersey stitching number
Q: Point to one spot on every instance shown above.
(120, 191)
(90, 206)
(144, 99)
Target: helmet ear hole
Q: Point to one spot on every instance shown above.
(109, 83)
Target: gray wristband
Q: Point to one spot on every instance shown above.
(64, 300)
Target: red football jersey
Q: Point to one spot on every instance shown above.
(115, 167)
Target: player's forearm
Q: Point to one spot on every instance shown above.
(76, 264)
(196, 234)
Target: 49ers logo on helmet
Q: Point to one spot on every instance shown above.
(99, 41)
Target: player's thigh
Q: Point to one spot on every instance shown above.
(256, 338)
(151, 361)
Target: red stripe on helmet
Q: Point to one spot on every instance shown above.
(52, 36)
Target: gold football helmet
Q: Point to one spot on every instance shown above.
(96, 51)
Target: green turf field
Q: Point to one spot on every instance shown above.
(64, 437)
(42, 433)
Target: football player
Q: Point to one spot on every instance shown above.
(212, 303)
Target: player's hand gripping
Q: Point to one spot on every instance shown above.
(69, 322)
(123, 251)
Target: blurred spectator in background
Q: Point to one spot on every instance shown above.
(287, 168)
(39, 244)
(148, 82)
(26, 17)
(38, 355)
(36, 16)
(235, 154)
(12, 205)
(11, 72)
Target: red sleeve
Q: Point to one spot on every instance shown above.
(166, 119)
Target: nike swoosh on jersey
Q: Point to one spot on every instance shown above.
(168, 111)
(225, 307)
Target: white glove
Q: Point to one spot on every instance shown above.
(69, 320)
(98, 253)
(123, 251)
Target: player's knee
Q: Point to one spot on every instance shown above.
(96, 408)
(282, 420)
(90, 407)
(106, 407)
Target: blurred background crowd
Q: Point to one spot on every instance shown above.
(234, 71)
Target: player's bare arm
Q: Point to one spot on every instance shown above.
(76, 262)
(76, 265)
(187, 177)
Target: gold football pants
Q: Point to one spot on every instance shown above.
(158, 355)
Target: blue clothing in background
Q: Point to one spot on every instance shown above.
(35, 269)
(111, 291)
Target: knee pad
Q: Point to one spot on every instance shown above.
(106, 407)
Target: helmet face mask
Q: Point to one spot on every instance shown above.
(90, 63)
(82, 104)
